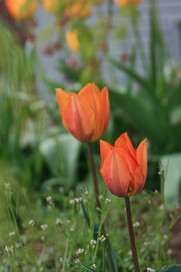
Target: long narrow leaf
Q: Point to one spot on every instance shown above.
(132, 73)
(143, 117)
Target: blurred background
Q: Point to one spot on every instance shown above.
(132, 47)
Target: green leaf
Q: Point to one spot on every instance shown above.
(142, 115)
(87, 268)
(61, 153)
(111, 260)
(130, 72)
(172, 268)
(172, 180)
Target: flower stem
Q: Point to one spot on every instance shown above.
(94, 177)
(131, 235)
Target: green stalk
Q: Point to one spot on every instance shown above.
(131, 235)
(94, 178)
(65, 255)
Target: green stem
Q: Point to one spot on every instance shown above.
(131, 235)
(65, 254)
(94, 177)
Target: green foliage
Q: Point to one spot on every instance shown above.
(61, 154)
(172, 268)
(155, 96)
(170, 165)
(58, 238)
(154, 107)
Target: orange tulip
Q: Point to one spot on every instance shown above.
(123, 168)
(86, 114)
(51, 5)
(127, 2)
(78, 9)
(21, 9)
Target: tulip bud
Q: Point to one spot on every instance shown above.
(21, 9)
(123, 168)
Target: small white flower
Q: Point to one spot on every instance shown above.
(77, 261)
(75, 200)
(161, 208)
(79, 251)
(59, 221)
(161, 170)
(93, 242)
(108, 200)
(102, 238)
(72, 201)
(44, 226)
(147, 243)
(165, 237)
(31, 222)
(150, 269)
(9, 250)
(49, 200)
(136, 224)
(101, 197)
(94, 266)
(169, 251)
(12, 233)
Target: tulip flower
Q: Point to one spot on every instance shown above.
(86, 114)
(127, 2)
(78, 9)
(51, 6)
(123, 168)
(72, 40)
(21, 9)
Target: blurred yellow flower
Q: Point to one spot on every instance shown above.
(97, 1)
(50, 5)
(80, 9)
(127, 2)
(53, 6)
(72, 40)
(21, 9)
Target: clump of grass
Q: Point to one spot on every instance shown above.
(66, 236)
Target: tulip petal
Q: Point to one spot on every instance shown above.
(142, 157)
(104, 110)
(99, 104)
(77, 118)
(105, 149)
(91, 93)
(124, 142)
(118, 170)
(62, 98)
(138, 182)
